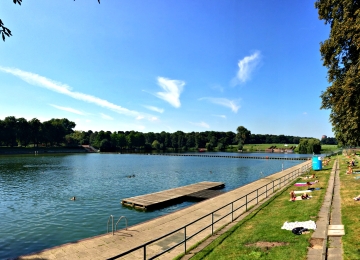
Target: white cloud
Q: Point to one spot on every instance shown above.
(232, 104)
(106, 117)
(68, 109)
(154, 118)
(246, 67)
(305, 113)
(222, 116)
(201, 124)
(156, 109)
(139, 117)
(172, 90)
(64, 89)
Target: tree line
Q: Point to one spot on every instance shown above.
(20, 132)
(340, 54)
(60, 132)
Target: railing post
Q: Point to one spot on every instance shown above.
(257, 196)
(185, 239)
(246, 202)
(273, 187)
(144, 252)
(212, 223)
(232, 211)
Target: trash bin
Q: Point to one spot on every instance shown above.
(317, 163)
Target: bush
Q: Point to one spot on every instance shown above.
(308, 146)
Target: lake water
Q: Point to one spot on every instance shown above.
(35, 207)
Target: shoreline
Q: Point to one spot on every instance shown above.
(39, 150)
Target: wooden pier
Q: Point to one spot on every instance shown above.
(201, 190)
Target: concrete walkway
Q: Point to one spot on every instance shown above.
(326, 240)
(108, 245)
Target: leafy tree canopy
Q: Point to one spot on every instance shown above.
(4, 31)
(242, 134)
(340, 54)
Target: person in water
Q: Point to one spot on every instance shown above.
(73, 198)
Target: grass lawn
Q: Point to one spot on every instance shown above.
(262, 147)
(325, 148)
(350, 209)
(259, 235)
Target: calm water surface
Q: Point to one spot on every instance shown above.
(35, 207)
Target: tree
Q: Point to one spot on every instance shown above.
(242, 135)
(35, 128)
(10, 131)
(6, 31)
(155, 144)
(340, 54)
(308, 146)
(23, 131)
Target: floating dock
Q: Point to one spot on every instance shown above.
(201, 190)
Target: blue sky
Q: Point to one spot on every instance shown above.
(166, 65)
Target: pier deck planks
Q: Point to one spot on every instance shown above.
(158, 199)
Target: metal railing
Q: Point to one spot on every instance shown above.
(126, 222)
(248, 201)
(112, 224)
(111, 217)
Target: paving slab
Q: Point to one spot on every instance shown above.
(336, 227)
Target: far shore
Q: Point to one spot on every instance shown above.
(39, 150)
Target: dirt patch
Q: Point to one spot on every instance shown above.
(316, 243)
(267, 245)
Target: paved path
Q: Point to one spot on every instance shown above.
(324, 246)
(108, 245)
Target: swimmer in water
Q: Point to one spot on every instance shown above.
(73, 198)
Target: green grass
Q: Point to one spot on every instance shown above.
(350, 210)
(264, 225)
(325, 148)
(262, 147)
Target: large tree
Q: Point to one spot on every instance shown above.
(340, 54)
(242, 135)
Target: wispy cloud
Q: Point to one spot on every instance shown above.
(172, 90)
(64, 89)
(246, 67)
(106, 117)
(305, 113)
(201, 124)
(154, 118)
(222, 116)
(232, 104)
(156, 109)
(68, 109)
(218, 87)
